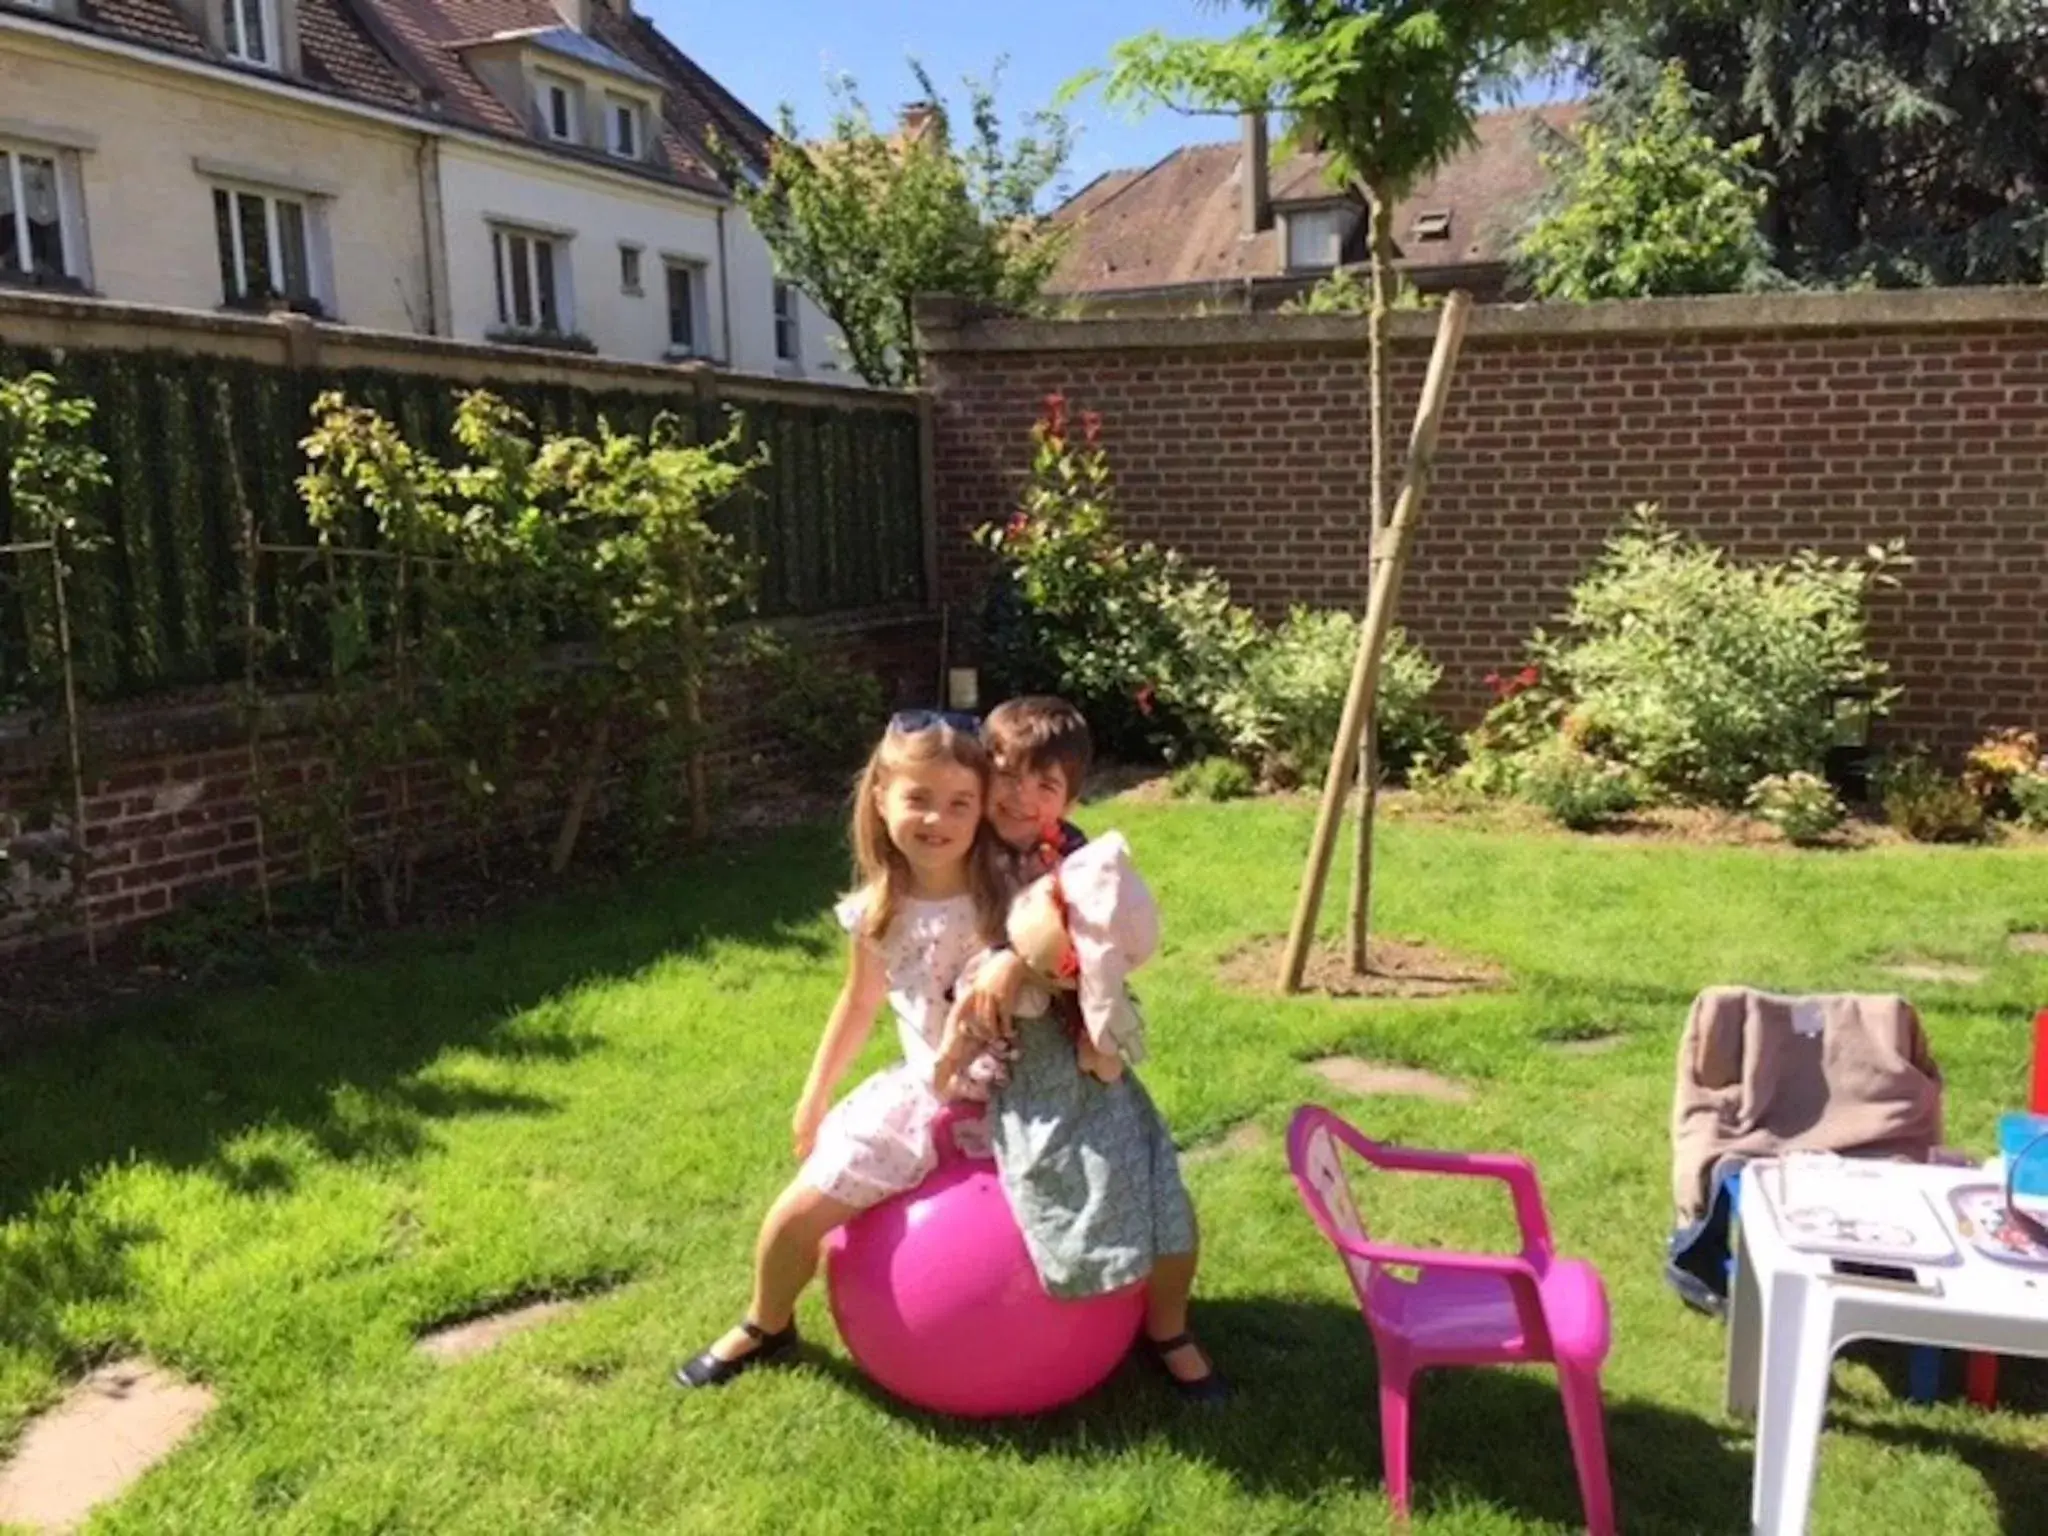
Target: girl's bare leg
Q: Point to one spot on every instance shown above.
(1166, 1313)
(785, 1259)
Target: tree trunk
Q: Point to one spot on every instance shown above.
(1383, 280)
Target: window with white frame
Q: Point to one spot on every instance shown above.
(622, 127)
(629, 269)
(39, 241)
(248, 31)
(561, 110)
(1316, 236)
(530, 281)
(266, 247)
(685, 300)
(785, 323)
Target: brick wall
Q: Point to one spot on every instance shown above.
(1764, 424)
(170, 812)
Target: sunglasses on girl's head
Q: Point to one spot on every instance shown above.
(908, 722)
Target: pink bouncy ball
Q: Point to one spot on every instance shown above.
(936, 1298)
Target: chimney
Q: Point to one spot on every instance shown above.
(917, 119)
(575, 14)
(1254, 184)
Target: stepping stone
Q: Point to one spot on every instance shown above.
(1370, 1079)
(1245, 1136)
(459, 1341)
(1938, 971)
(110, 1429)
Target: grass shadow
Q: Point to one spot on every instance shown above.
(64, 1257)
(338, 1056)
(2016, 1475)
(1303, 1423)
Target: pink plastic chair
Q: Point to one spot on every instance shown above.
(1462, 1308)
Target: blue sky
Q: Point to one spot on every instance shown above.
(771, 51)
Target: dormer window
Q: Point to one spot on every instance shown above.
(561, 114)
(1316, 237)
(622, 123)
(248, 31)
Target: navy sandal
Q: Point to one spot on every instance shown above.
(708, 1370)
(1208, 1389)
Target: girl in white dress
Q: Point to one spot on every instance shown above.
(931, 896)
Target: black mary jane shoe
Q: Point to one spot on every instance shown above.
(1206, 1390)
(708, 1370)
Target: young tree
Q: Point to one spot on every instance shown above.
(871, 217)
(1389, 89)
(1650, 207)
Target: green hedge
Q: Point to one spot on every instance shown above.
(834, 522)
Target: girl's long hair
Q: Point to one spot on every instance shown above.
(883, 874)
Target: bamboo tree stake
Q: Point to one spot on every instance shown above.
(81, 864)
(1379, 614)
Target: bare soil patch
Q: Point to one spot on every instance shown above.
(110, 1429)
(1378, 1079)
(2028, 943)
(1396, 968)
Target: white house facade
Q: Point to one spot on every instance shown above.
(481, 169)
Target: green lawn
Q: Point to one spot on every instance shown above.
(275, 1190)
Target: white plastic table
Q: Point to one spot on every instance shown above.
(1789, 1313)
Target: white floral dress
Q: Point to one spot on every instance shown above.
(877, 1141)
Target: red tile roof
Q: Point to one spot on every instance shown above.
(1180, 222)
(405, 56)
(337, 56)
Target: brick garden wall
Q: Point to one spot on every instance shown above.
(1765, 424)
(170, 811)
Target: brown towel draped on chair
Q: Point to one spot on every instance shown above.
(1760, 1074)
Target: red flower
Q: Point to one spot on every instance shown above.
(1018, 525)
(1055, 422)
(1145, 698)
(1528, 677)
(1091, 427)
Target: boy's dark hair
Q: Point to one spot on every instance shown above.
(1039, 732)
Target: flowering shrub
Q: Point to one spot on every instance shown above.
(1527, 713)
(1996, 762)
(1929, 806)
(1284, 716)
(2030, 799)
(1141, 642)
(1213, 778)
(1802, 806)
(1152, 649)
(1705, 675)
(1575, 788)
